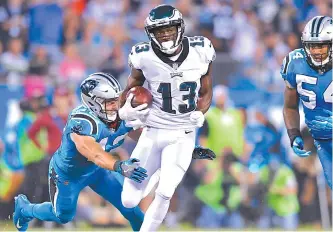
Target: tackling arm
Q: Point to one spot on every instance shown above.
(89, 148)
(205, 92)
(94, 152)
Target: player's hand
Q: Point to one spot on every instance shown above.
(197, 118)
(127, 112)
(321, 123)
(298, 146)
(203, 153)
(135, 124)
(131, 169)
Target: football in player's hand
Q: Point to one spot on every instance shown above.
(141, 96)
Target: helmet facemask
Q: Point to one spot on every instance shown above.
(318, 59)
(109, 108)
(317, 43)
(173, 30)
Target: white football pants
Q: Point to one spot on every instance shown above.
(167, 150)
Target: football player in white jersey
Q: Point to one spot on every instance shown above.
(178, 72)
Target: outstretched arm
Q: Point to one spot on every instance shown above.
(89, 148)
(93, 151)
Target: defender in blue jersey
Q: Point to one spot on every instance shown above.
(308, 76)
(81, 161)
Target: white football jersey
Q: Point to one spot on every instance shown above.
(173, 84)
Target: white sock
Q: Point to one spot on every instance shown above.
(155, 213)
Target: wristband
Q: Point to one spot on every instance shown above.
(293, 133)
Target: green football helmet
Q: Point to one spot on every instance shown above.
(165, 16)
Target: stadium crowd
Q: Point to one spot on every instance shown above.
(48, 46)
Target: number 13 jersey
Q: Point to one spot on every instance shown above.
(174, 84)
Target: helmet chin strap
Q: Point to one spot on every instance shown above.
(168, 47)
(112, 117)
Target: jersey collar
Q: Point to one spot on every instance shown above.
(181, 58)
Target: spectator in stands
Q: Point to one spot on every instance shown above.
(72, 68)
(14, 64)
(52, 120)
(12, 20)
(11, 173)
(46, 26)
(224, 125)
(72, 25)
(220, 192)
(93, 47)
(39, 62)
(286, 19)
(283, 205)
(13, 60)
(115, 62)
(106, 11)
(11, 169)
(246, 35)
(265, 139)
(29, 154)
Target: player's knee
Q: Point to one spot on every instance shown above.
(165, 192)
(65, 217)
(131, 199)
(165, 195)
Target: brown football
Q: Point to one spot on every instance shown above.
(141, 96)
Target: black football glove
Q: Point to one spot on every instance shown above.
(203, 153)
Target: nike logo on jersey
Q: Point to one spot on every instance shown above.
(187, 132)
(18, 226)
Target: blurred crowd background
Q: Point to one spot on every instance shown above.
(48, 46)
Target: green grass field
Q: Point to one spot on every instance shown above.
(8, 226)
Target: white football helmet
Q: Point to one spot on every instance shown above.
(319, 30)
(96, 90)
(164, 16)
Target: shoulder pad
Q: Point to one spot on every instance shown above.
(204, 46)
(134, 58)
(83, 124)
(288, 66)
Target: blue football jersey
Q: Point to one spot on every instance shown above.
(314, 89)
(83, 122)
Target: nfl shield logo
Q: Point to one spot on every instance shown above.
(175, 66)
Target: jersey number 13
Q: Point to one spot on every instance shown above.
(165, 90)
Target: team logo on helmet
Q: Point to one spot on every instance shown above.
(88, 86)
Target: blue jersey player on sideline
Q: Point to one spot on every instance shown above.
(308, 76)
(80, 160)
